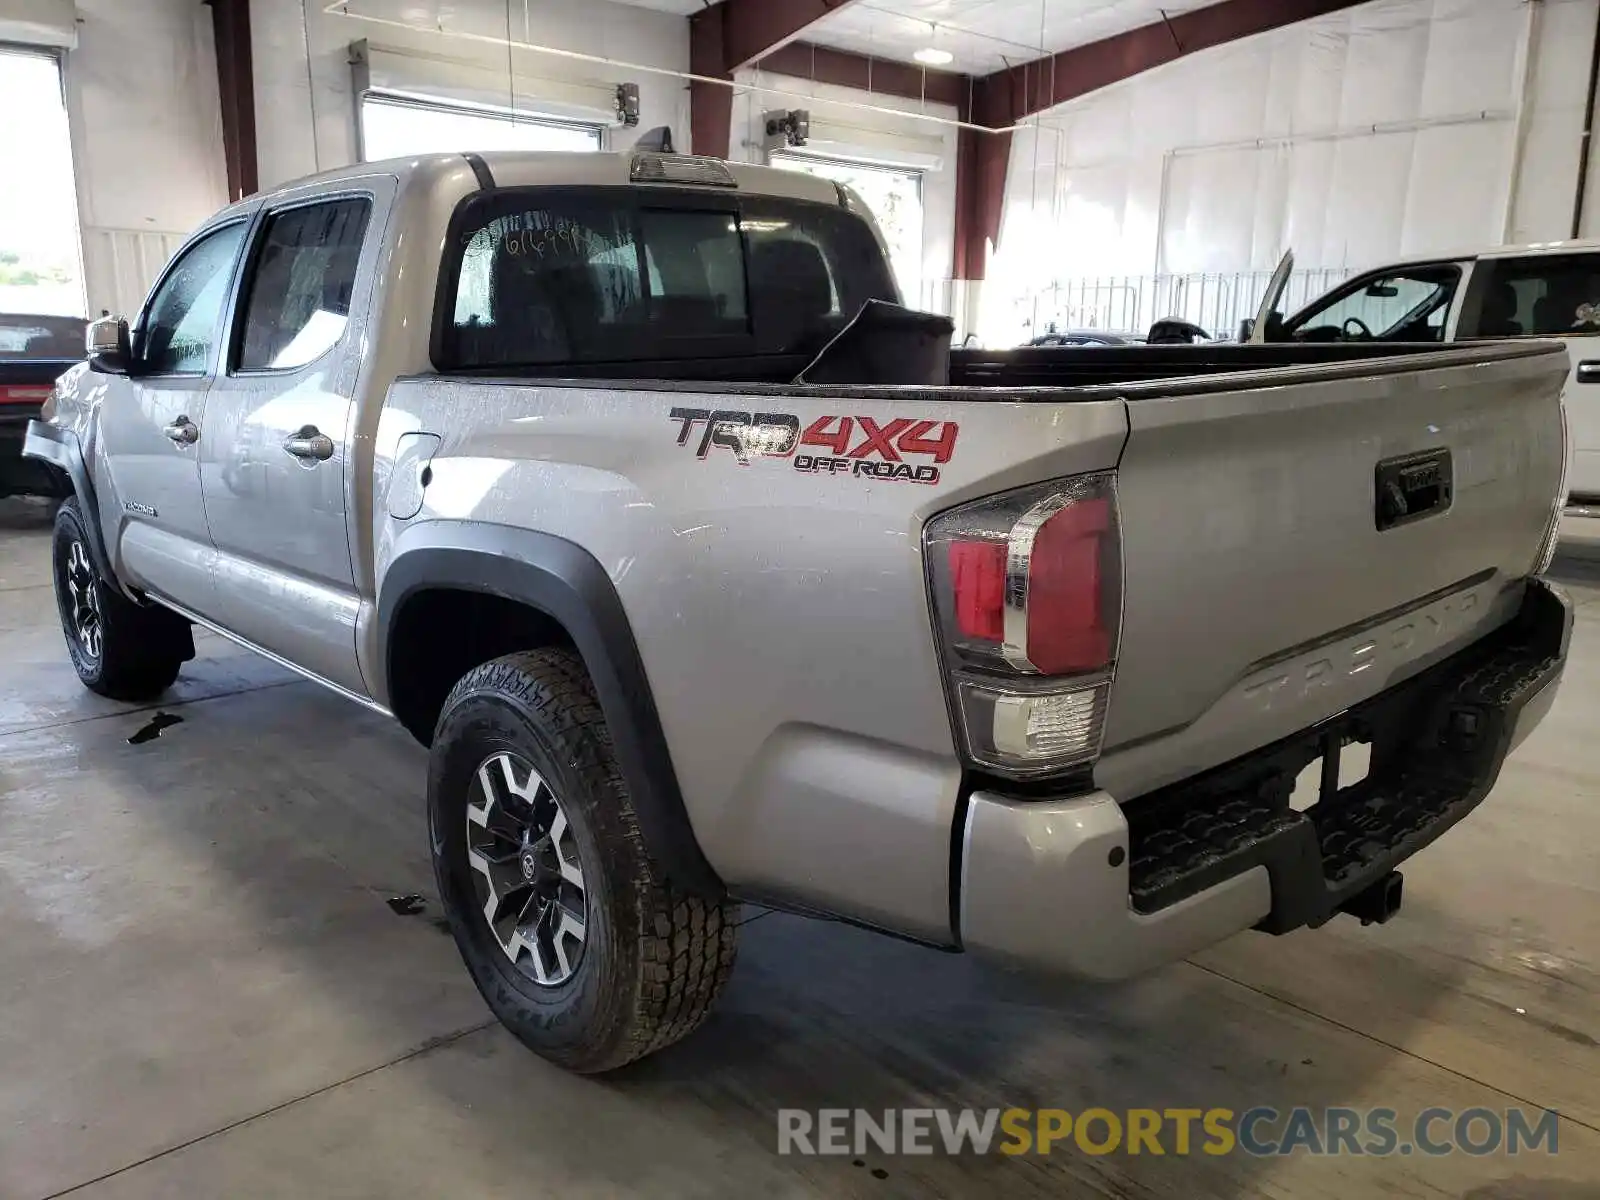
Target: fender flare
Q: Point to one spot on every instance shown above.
(61, 448)
(566, 583)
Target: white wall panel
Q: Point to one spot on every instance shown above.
(123, 263)
(1391, 128)
(1553, 122)
(302, 66)
(1307, 195)
(1366, 200)
(50, 23)
(147, 138)
(1460, 176)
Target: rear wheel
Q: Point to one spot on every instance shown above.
(119, 649)
(577, 942)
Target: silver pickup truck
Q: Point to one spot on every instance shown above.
(623, 484)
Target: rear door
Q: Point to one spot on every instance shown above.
(1558, 296)
(275, 460)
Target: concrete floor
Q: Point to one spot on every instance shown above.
(203, 991)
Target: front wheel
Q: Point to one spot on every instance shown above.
(576, 940)
(119, 649)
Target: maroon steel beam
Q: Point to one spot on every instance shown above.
(710, 104)
(731, 34)
(752, 28)
(981, 162)
(882, 76)
(230, 27)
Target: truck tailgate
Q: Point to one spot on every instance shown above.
(1296, 542)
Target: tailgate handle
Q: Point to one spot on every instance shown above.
(1413, 487)
(1589, 371)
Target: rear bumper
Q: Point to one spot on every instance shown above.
(1088, 887)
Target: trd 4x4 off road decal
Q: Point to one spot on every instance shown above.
(858, 446)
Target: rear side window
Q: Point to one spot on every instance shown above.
(298, 298)
(1544, 295)
(540, 277)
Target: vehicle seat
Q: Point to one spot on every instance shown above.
(1552, 314)
(541, 309)
(792, 291)
(1499, 316)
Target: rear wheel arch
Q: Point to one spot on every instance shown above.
(457, 596)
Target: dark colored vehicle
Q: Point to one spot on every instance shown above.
(34, 350)
(1085, 337)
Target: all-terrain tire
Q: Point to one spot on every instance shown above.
(119, 649)
(654, 958)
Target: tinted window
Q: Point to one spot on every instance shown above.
(182, 318)
(1404, 306)
(1541, 296)
(545, 277)
(300, 287)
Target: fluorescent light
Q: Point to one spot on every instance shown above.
(934, 58)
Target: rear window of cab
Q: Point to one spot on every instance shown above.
(540, 277)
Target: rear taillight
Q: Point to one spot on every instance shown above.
(1027, 592)
(24, 395)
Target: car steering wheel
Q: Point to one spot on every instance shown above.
(1361, 328)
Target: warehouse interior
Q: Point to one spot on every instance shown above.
(225, 966)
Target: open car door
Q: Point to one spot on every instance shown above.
(1276, 286)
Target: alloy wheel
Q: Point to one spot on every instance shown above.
(83, 591)
(526, 870)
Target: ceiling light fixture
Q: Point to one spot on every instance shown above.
(934, 58)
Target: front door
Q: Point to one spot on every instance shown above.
(274, 462)
(151, 422)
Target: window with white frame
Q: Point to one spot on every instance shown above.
(894, 197)
(40, 265)
(395, 126)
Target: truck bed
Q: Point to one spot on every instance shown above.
(1055, 368)
(1108, 366)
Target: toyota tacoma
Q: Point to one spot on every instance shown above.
(711, 575)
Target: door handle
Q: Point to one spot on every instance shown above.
(1589, 371)
(310, 443)
(182, 431)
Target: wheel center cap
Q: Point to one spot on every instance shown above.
(530, 865)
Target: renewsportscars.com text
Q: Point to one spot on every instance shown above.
(1168, 1131)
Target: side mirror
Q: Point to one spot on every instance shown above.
(110, 351)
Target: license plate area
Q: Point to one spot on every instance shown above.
(1340, 766)
(1412, 488)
